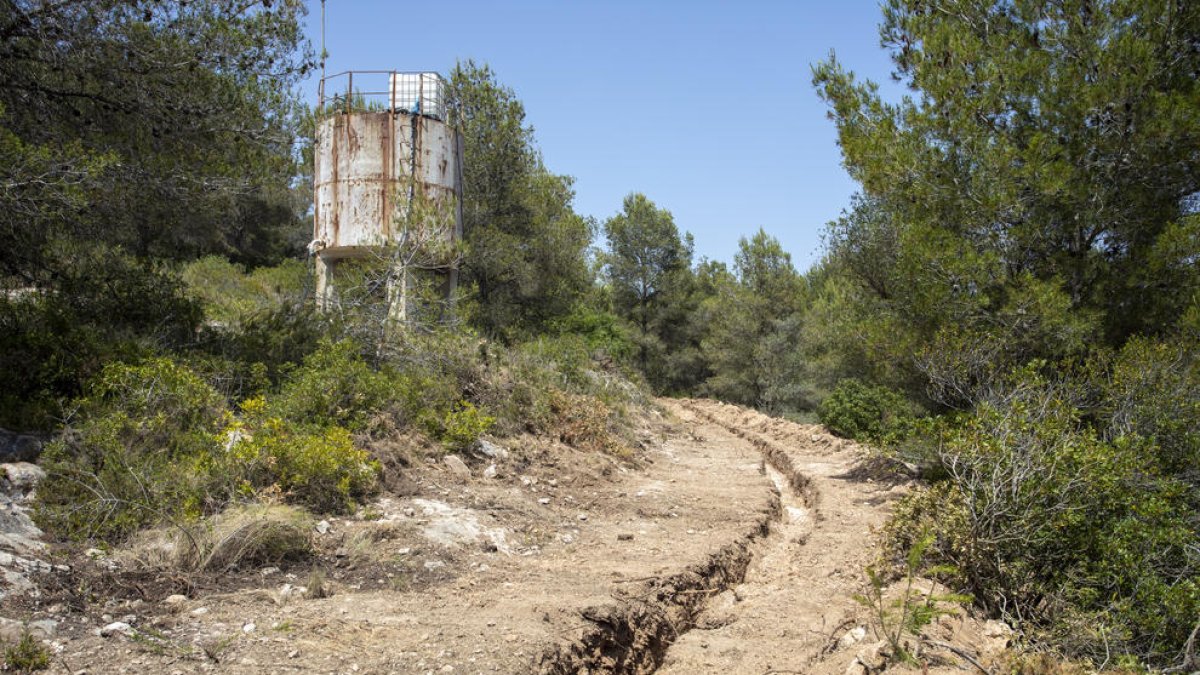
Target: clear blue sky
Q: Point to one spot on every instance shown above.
(706, 107)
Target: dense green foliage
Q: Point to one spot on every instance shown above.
(1059, 525)
(168, 439)
(156, 444)
(1022, 261)
(1035, 199)
(171, 126)
(104, 305)
(133, 133)
(527, 250)
(234, 296)
(871, 413)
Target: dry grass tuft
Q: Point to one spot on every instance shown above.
(318, 586)
(243, 535)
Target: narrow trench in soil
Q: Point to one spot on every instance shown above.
(772, 566)
(641, 636)
(796, 521)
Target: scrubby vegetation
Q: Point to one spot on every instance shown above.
(28, 655)
(154, 443)
(173, 436)
(868, 412)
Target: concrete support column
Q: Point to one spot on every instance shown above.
(324, 269)
(397, 294)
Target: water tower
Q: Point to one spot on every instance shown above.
(387, 183)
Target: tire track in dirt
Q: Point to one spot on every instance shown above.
(775, 600)
(633, 634)
(796, 598)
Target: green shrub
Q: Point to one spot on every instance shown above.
(320, 469)
(462, 425)
(1153, 391)
(457, 359)
(258, 325)
(902, 619)
(1086, 540)
(548, 386)
(155, 444)
(865, 412)
(245, 360)
(603, 332)
(937, 511)
(234, 379)
(334, 386)
(125, 463)
(230, 294)
(159, 389)
(27, 655)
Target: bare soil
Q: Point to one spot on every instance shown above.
(734, 543)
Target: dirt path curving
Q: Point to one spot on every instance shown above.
(797, 597)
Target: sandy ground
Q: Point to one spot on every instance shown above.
(735, 545)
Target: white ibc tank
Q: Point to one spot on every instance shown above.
(417, 93)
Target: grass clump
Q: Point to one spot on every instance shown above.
(244, 535)
(247, 535)
(318, 585)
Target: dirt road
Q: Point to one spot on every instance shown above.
(735, 546)
(798, 594)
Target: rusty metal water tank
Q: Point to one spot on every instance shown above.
(382, 140)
